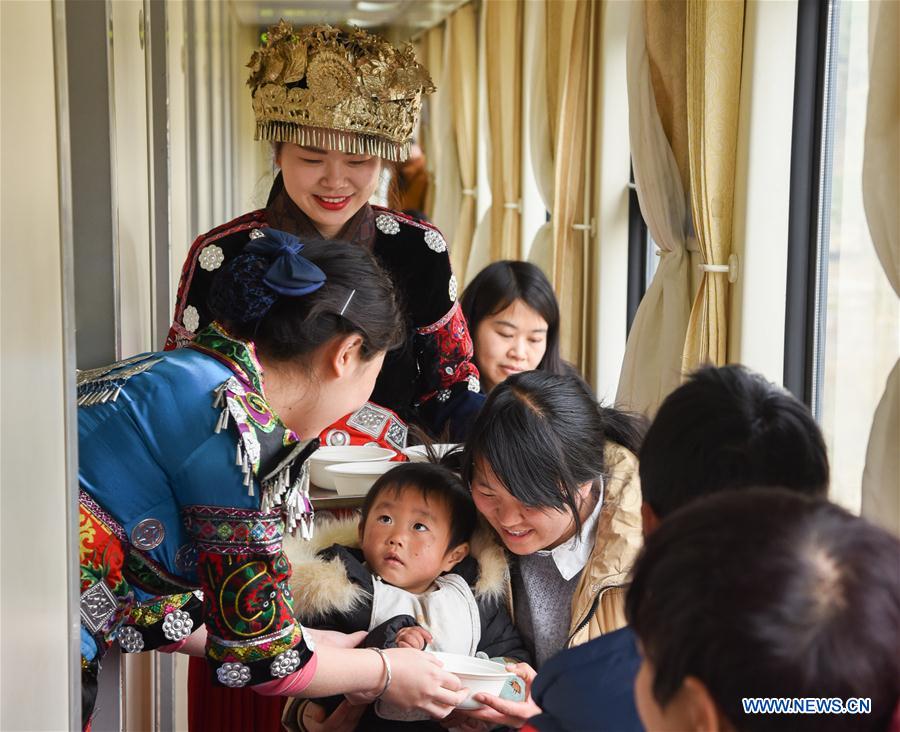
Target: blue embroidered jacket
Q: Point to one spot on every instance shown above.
(185, 467)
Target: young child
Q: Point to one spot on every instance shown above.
(413, 572)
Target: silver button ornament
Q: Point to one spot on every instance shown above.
(285, 663)
(148, 534)
(451, 288)
(474, 383)
(337, 438)
(177, 625)
(211, 257)
(130, 639)
(443, 395)
(435, 241)
(256, 234)
(191, 318)
(98, 603)
(387, 224)
(233, 674)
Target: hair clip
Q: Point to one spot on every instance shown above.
(352, 293)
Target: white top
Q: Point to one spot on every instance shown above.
(572, 555)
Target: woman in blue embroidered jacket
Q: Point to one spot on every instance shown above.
(338, 107)
(193, 463)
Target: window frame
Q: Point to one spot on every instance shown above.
(808, 222)
(637, 254)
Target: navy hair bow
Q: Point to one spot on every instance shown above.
(290, 273)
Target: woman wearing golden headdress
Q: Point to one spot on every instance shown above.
(336, 105)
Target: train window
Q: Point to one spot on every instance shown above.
(642, 254)
(856, 323)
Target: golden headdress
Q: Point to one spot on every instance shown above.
(339, 89)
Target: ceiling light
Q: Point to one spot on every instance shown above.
(369, 6)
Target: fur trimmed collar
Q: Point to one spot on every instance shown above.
(321, 586)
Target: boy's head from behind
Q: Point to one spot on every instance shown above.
(728, 428)
(416, 524)
(800, 599)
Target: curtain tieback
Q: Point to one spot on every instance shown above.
(589, 227)
(514, 205)
(473, 192)
(731, 269)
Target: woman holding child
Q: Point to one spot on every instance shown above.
(554, 475)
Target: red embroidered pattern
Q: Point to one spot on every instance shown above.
(454, 345)
(245, 597)
(234, 531)
(429, 329)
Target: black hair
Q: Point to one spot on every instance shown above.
(500, 284)
(728, 428)
(543, 436)
(769, 593)
(357, 297)
(433, 482)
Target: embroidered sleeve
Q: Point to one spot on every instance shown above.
(449, 387)
(252, 637)
(161, 622)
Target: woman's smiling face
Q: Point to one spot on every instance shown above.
(327, 185)
(523, 529)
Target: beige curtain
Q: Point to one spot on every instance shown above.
(881, 192)
(461, 64)
(715, 36)
(431, 54)
(448, 187)
(503, 65)
(559, 43)
(571, 244)
(480, 251)
(540, 136)
(651, 366)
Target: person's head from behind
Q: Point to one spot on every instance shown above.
(417, 520)
(323, 312)
(803, 601)
(723, 429)
(513, 317)
(534, 460)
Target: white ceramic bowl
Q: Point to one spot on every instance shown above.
(355, 479)
(335, 455)
(476, 674)
(418, 453)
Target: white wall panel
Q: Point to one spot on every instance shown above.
(131, 214)
(36, 382)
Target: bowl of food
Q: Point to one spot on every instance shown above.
(355, 479)
(341, 454)
(481, 676)
(419, 453)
